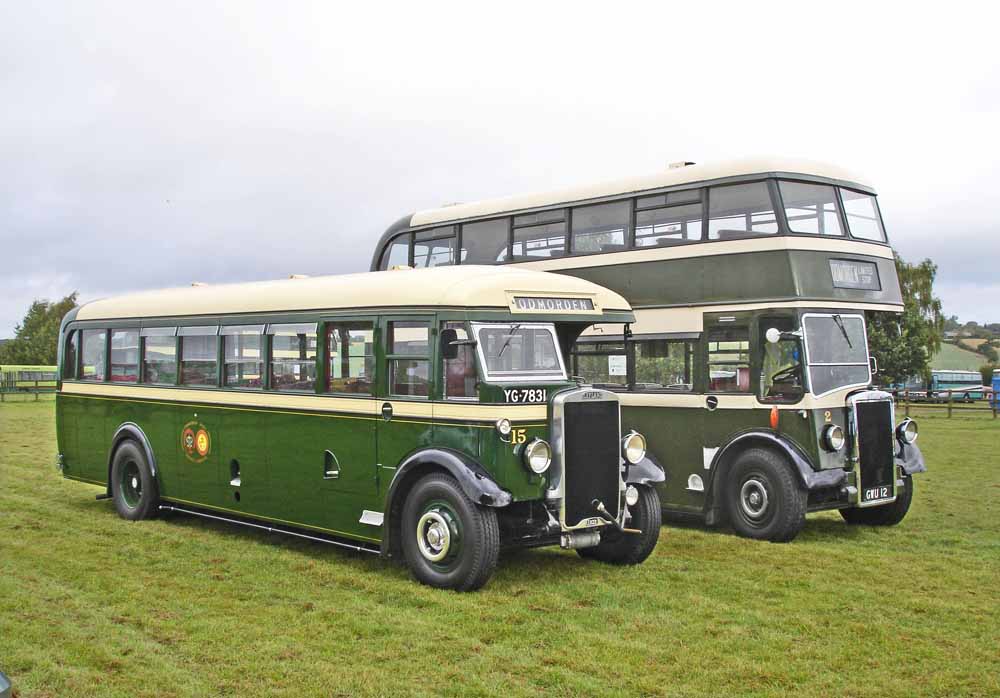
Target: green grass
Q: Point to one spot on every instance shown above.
(955, 358)
(92, 605)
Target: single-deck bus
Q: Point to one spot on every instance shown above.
(747, 366)
(425, 414)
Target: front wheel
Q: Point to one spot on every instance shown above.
(619, 548)
(885, 515)
(449, 541)
(133, 485)
(763, 497)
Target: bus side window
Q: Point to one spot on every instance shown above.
(602, 364)
(72, 358)
(293, 357)
(663, 364)
(124, 356)
(199, 355)
(409, 358)
(460, 375)
(729, 360)
(94, 353)
(351, 357)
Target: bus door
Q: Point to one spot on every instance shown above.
(662, 406)
(729, 400)
(404, 405)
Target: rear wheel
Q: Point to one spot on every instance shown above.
(619, 548)
(449, 541)
(133, 486)
(885, 515)
(763, 497)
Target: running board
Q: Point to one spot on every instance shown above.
(269, 529)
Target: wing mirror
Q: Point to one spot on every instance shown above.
(773, 335)
(450, 344)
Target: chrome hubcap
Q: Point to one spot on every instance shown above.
(753, 498)
(433, 536)
(135, 483)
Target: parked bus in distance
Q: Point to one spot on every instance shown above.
(747, 366)
(18, 378)
(427, 415)
(966, 386)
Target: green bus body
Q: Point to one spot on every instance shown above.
(684, 290)
(315, 460)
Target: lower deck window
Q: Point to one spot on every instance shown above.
(602, 364)
(199, 355)
(93, 355)
(351, 365)
(124, 356)
(460, 376)
(729, 360)
(293, 357)
(159, 355)
(662, 364)
(243, 356)
(409, 358)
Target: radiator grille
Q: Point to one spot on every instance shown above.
(591, 458)
(875, 451)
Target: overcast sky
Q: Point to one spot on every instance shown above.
(153, 144)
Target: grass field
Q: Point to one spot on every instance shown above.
(955, 358)
(91, 605)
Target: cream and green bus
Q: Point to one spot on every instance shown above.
(426, 415)
(747, 366)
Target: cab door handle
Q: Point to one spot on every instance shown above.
(386, 411)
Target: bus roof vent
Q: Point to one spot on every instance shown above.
(682, 163)
(400, 267)
(298, 276)
(198, 283)
(451, 203)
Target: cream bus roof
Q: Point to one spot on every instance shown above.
(666, 178)
(458, 286)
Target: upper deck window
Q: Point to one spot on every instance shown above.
(485, 242)
(600, 228)
(863, 219)
(397, 254)
(434, 247)
(668, 219)
(811, 208)
(540, 235)
(740, 210)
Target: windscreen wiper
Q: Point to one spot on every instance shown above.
(510, 338)
(840, 323)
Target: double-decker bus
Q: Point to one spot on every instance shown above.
(747, 366)
(24, 378)
(427, 415)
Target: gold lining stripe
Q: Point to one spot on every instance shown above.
(178, 500)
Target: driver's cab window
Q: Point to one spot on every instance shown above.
(460, 377)
(781, 362)
(729, 359)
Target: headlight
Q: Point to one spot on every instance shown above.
(833, 437)
(538, 456)
(907, 431)
(634, 447)
(503, 427)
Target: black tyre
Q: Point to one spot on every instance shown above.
(885, 515)
(763, 497)
(619, 548)
(448, 540)
(133, 487)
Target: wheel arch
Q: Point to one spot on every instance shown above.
(808, 477)
(130, 431)
(474, 480)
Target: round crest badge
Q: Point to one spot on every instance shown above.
(196, 442)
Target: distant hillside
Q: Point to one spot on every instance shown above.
(956, 358)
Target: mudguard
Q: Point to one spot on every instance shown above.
(811, 479)
(477, 484)
(130, 430)
(648, 471)
(910, 459)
